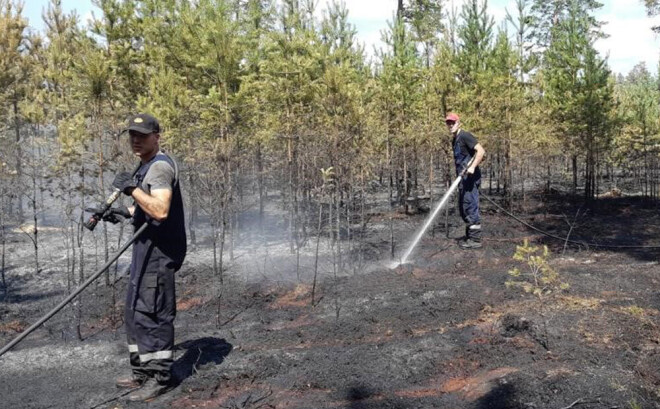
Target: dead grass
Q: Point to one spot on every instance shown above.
(13, 326)
(475, 387)
(639, 312)
(189, 303)
(560, 372)
(469, 388)
(300, 296)
(29, 229)
(418, 332)
(592, 331)
(574, 303)
(302, 321)
(486, 320)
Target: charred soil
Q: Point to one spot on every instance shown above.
(442, 332)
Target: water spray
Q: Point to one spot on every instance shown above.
(434, 214)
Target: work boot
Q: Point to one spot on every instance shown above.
(473, 240)
(465, 236)
(474, 232)
(149, 390)
(130, 382)
(467, 233)
(469, 244)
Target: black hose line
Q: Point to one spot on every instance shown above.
(96, 275)
(75, 293)
(565, 239)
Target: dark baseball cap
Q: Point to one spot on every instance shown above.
(143, 123)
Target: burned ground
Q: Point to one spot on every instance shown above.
(443, 332)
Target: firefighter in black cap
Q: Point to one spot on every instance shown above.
(157, 254)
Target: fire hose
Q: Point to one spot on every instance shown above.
(90, 225)
(452, 189)
(75, 293)
(435, 212)
(566, 239)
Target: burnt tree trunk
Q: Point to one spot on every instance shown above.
(3, 240)
(575, 174)
(260, 183)
(19, 159)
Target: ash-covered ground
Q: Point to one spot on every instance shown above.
(442, 332)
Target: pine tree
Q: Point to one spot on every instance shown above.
(400, 98)
(652, 7)
(522, 24)
(506, 103)
(14, 75)
(342, 119)
(640, 133)
(66, 113)
(425, 18)
(576, 87)
(597, 101)
(547, 16)
(256, 23)
(285, 90)
(473, 60)
(122, 47)
(475, 40)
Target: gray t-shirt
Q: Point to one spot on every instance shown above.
(159, 176)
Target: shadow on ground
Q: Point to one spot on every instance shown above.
(363, 397)
(615, 225)
(14, 296)
(502, 397)
(199, 353)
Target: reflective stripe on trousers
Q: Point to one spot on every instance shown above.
(144, 358)
(150, 323)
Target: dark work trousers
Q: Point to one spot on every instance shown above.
(468, 205)
(468, 199)
(149, 316)
(468, 192)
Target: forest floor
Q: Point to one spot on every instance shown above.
(442, 332)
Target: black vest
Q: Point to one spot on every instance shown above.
(162, 242)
